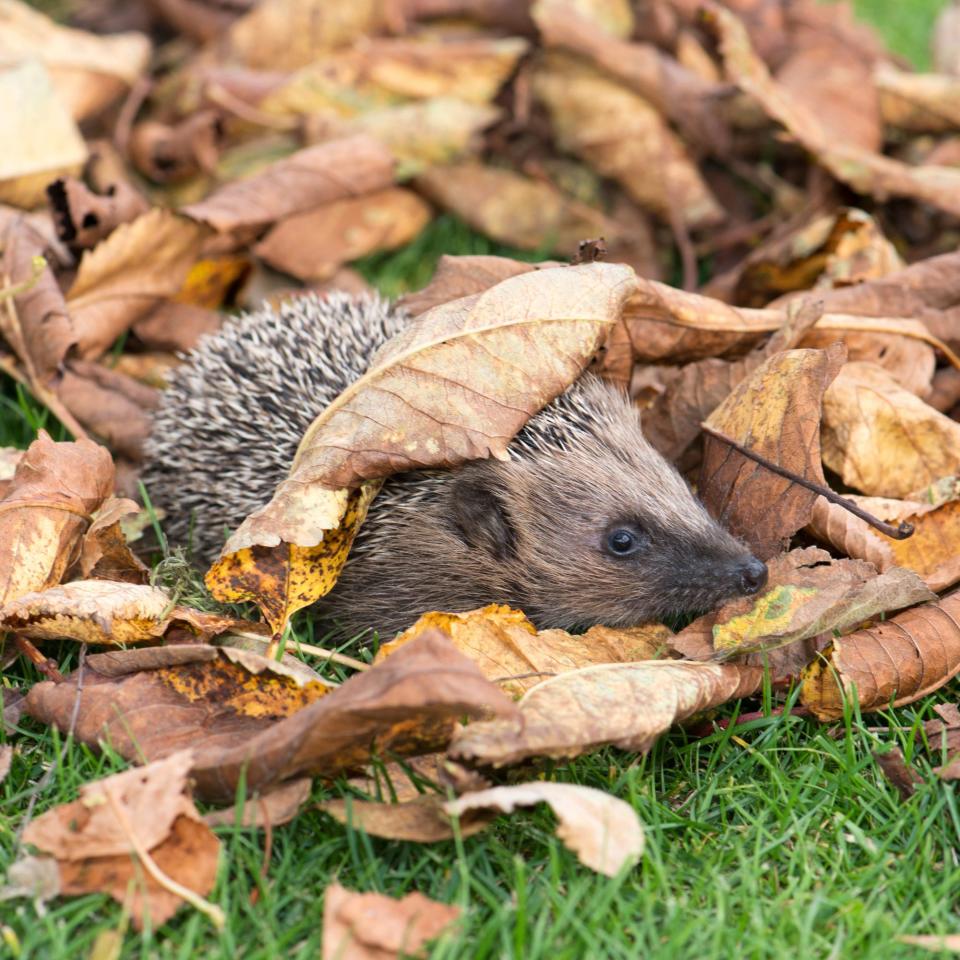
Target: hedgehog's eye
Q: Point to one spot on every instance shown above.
(622, 541)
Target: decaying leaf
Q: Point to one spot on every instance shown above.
(933, 551)
(896, 769)
(97, 841)
(510, 652)
(276, 727)
(509, 207)
(776, 414)
(313, 245)
(890, 664)
(88, 71)
(621, 136)
(371, 926)
(449, 389)
(104, 612)
(603, 831)
(310, 177)
(84, 218)
(41, 140)
(808, 593)
(46, 511)
(421, 820)
(883, 440)
(628, 705)
(271, 809)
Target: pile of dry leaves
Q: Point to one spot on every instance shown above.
(199, 157)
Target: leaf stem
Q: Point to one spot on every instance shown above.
(900, 532)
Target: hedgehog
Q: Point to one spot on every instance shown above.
(585, 523)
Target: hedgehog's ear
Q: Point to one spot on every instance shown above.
(480, 516)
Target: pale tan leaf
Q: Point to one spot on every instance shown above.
(271, 809)
(603, 831)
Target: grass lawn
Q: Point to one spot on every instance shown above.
(774, 838)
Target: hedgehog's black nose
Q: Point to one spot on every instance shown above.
(753, 575)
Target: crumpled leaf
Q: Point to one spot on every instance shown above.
(889, 664)
(104, 553)
(446, 390)
(123, 277)
(92, 844)
(626, 704)
(371, 926)
(933, 551)
(104, 612)
(422, 819)
(513, 209)
(510, 652)
(808, 593)
(621, 136)
(46, 511)
(883, 440)
(268, 732)
(313, 245)
(308, 178)
(84, 218)
(88, 71)
(776, 414)
(603, 831)
(863, 170)
(41, 140)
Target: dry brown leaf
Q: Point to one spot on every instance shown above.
(918, 101)
(84, 218)
(890, 664)
(621, 136)
(173, 153)
(110, 404)
(271, 809)
(514, 209)
(93, 838)
(680, 95)
(883, 440)
(308, 178)
(371, 926)
(422, 819)
(88, 71)
(173, 327)
(933, 551)
(863, 170)
(271, 731)
(603, 831)
(450, 388)
(41, 140)
(104, 553)
(808, 593)
(510, 652)
(898, 772)
(628, 705)
(104, 612)
(944, 737)
(691, 394)
(55, 490)
(125, 276)
(313, 245)
(776, 414)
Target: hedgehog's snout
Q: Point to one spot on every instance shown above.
(750, 575)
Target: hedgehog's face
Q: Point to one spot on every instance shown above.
(606, 534)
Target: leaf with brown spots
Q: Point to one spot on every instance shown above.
(776, 414)
(105, 612)
(511, 653)
(808, 593)
(883, 440)
(890, 664)
(48, 507)
(371, 926)
(245, 718)
(94, 839)
(627, 705)
(455, 386)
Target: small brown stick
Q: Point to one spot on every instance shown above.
(44, 664)
(900, 532)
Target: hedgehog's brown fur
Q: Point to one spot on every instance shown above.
(531, 531)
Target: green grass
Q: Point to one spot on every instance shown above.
(906, 25)
(777, 838)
